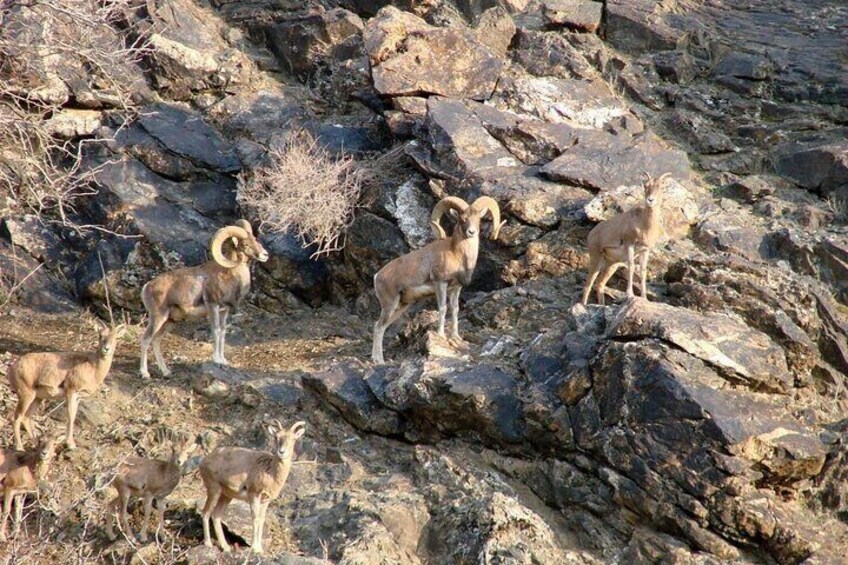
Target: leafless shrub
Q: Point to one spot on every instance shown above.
(302, 187)
(839, 206)
(45, 45)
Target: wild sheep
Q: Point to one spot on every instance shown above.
(211, 290)
(38, 376)
(441, 267)
(617, 241)
(246, 474)
(150, 479)
(20, 472)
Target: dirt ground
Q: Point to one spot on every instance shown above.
(337, 474)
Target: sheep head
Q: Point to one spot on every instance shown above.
(654, 189)
(281, 440)
(245, 243)
(108, 337)
(467, 217)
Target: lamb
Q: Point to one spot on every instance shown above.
(151, 479)
(211, 290)
(38, 376)
(20, 472)
(246, 474)
(441, 267)
(617, 241)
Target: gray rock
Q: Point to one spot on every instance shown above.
(345, 388)
(604, 161)
(409, 57)
(577, 15)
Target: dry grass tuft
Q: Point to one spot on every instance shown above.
(304, 188)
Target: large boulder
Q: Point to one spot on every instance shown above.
(410, 57)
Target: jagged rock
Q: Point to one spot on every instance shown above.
(303, 42)
(586, 103)
(551, 54)
(821, 168)
(345, 388)
(736, 350)
(261, 116)
(33, 236)
(352, 527)
(410, 57)
(752, 188)
(604, 161)
(40, 291)
(442, 396)
(577, 15)
(495, 29)
(70, 123)
(632, 26)
(371, 243)
(185, 134)
(292, 267)
(189, 53)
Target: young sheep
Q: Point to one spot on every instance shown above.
(211, 290)
(20, 472)
(246, 474)
(441, 267)
(617, 241)
(38, 376)
(151, 479)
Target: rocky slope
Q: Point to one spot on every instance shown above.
(704, 426)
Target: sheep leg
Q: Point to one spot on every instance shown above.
(442, 301)
(124, 495)
(113, 507)
(160, 526)
(148, 507)
(73, 406)
(157, 350)
(212, 495)
(7, 510)
(606, 274)
(453, 300)
(216, 522)
(386, 316)
(596, 263)
(631, 260)
(222, 333)
(263, 510)
(28, 418)
(19, 513)
(25, 400)
(256, 514)
(644, 272)
(215, 322)
(154, 327)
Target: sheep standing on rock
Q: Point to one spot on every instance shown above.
(441, 267)
(617, 241)
(211, 289)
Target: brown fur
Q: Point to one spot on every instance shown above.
(440, 268)
(257, 477)
(20, 472)
(619, 240)
(39, 376)
(211, 290)
(150, 479)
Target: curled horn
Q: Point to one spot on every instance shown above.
(244, 224)
(444, 204)
(487, 203)
(298, 428)
(222, 235)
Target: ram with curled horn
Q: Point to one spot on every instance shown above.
(440, 268)
(211, 290)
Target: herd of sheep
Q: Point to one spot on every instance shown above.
(211, 290)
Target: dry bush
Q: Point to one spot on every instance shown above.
(303, 188)
(45, 45)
